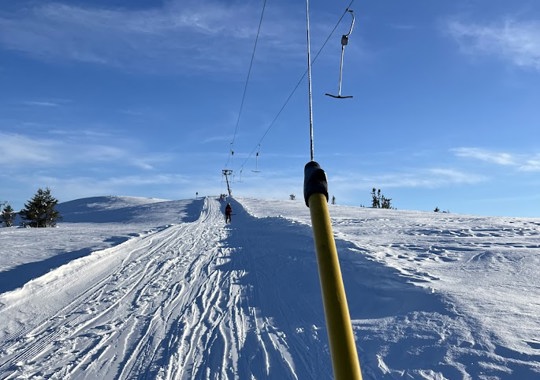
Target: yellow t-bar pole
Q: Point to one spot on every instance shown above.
(345, 361)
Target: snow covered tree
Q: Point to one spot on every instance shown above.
(40, 210)
(8, 215)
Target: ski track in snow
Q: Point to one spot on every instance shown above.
(129, 293)
(171, 304)
(430, 297)
(133, 295)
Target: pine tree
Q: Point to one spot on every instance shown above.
(378, 200)
(8, 215)
(375, 198)
(40, 210)
(386, 202)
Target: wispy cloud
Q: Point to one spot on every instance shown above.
(41, 103)
(176, 36)
(512, 40)
(499, 158)
(531, 164)
(213, 139)
(419, 178)
(402, 27)
(446, 176)
(522, 162)
(18, 151)
(72, 187)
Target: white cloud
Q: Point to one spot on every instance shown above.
(41, 103)
(180, 35)
(499, 158)
(72, 187)
(419, 178)
(445, 176)
(522, 162)
(531, 165)
(512, 40)
(26, 152)
(212, 139)
(20, 150)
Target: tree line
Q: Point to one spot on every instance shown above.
(39, 211)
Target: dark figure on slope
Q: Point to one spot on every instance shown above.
(228, 213)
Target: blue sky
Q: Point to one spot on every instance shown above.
(143, 98)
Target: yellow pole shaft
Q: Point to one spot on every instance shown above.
(340, 335)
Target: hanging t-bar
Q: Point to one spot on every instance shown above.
(344, 42)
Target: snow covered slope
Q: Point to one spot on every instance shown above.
(133, 288)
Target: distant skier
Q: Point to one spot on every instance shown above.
(228, 213)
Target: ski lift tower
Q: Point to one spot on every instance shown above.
(227, 173)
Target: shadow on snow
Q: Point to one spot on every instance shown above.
(18, 276)
(413, 331)
(102, 210)
(79, 212)
(279, 260)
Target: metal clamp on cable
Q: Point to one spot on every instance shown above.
(314, 181)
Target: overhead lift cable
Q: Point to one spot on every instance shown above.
(296, 87)
(228, 172)
(231, 150)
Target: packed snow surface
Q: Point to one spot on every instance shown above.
(131, 288)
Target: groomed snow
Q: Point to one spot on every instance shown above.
(143, 288)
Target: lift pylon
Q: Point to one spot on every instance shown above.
(227, 173)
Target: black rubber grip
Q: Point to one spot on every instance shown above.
(314, 181)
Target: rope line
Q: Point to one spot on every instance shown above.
(310, 90)
(231, 152)
(287, 100)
